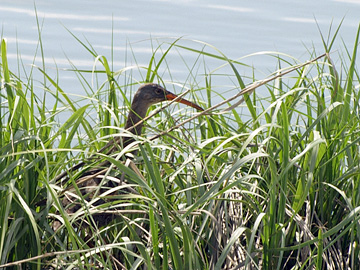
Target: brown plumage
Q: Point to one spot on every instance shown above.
(147, 95)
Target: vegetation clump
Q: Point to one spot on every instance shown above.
(267, 178)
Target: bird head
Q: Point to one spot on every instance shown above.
(151, 93)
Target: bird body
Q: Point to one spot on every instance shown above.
(147, 95)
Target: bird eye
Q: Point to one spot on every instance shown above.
(158, 91)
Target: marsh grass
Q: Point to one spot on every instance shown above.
(271, 183)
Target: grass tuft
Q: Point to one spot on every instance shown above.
(267, 177)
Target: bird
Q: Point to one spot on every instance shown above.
(147, 95)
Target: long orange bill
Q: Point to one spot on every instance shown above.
(171, 96)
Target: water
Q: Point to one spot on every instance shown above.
(237, 28)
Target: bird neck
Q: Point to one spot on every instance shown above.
(137, 113)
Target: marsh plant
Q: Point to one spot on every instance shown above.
(267, 177)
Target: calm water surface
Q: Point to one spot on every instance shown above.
(237, 28)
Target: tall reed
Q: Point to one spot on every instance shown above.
(268, 180)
